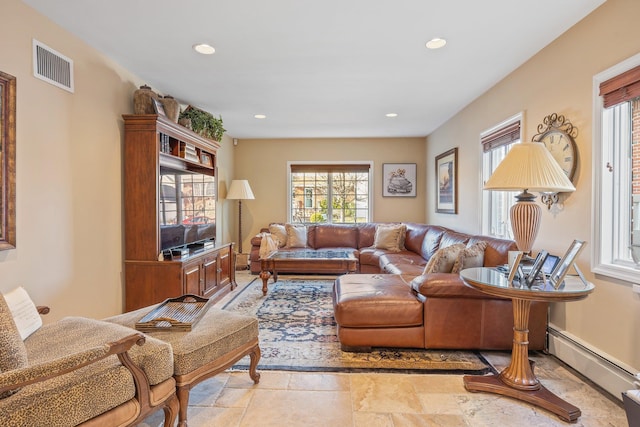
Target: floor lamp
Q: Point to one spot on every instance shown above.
(240, 190)
(528, 166)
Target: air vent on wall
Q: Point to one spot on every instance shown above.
(52, 66)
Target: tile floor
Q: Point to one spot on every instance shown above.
(387, 400)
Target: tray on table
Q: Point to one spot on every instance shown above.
(174, 314)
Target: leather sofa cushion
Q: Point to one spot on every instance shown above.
(450, 237)
(334, 236)
(431, 241)
(414, 236)
(366, 234)
(374, 300)
(497, 250)
(446, 285)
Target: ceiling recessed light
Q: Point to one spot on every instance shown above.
(260, 116)
(204, 49)
(391, 114)
(436, 43)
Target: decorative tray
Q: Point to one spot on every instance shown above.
(174, 314)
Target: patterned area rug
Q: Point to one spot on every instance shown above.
(297, 333)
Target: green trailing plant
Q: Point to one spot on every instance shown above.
(203, 123)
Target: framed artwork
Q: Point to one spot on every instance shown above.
(399, 180)
(562, 267)
(7, 161)
(447, 182)
(205, 159)
(159, 108)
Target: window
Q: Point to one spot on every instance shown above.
(496, 143)
(333, 193)
(616, 154)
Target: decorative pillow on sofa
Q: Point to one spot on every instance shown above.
(13, 353)
(471, 256)
(279, 232)
(444, 259)
(296, 235)
(390, 237)
(24, 312)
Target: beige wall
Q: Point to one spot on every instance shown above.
(69, 169)
(558, 79)
(264, 163)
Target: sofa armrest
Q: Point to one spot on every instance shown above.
(17, 378)
(446, 285)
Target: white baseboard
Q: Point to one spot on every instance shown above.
(604, 370)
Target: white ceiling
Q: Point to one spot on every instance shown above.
(329, 68)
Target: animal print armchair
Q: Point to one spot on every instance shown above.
(80, 371)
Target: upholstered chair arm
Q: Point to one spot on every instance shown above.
(21, 377)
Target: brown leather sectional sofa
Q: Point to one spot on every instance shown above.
(391, 303)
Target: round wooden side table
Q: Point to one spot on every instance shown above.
(518, 380)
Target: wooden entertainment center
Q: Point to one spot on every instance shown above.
(154, 270)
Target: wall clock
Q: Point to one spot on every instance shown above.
(558, 135)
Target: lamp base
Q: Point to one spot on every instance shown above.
(242, 261)
(525, 222)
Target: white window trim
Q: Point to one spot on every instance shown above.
(600, 266)
(317, 162)
(484, 224)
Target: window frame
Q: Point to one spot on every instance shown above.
(606, 266)
(371, 192)
(485, 197)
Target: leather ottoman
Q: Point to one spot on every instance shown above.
(377, 309)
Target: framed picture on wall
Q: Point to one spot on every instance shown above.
(447, 182)
(399, 180)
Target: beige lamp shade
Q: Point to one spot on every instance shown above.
(528, 166)
(240, 190)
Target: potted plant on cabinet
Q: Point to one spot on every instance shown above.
(202, 122)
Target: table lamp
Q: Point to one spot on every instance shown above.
(528, 166)
(240, 190)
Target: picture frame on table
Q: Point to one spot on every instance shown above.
(562, 267)
(536, 268)
(447, 182)
(399, 179)
(515, 257)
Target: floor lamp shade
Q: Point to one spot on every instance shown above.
(528, 166)
(240, 190)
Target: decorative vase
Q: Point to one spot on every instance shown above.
(171, 108)
(143, 100)
(185, 122)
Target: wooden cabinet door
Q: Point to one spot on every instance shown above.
(192, 278)
(210, 267)
(226, 266)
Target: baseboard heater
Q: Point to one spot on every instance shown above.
(604, 370)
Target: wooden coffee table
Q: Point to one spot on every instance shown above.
(306, 262)
(518, 380)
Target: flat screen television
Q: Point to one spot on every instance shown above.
(187, 209)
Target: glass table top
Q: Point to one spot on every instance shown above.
(495, 282)
(313, 254)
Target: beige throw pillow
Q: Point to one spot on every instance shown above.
(471, 256)
(444, 258)
(13, 353)
(296, 235)
(390, 237)
(279, 232)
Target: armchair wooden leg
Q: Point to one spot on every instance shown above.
(255, 358)
(183, 397)
(171, 409)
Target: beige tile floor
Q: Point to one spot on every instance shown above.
(387, 400)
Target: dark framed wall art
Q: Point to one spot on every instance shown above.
(399, 180)
(447, 182)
